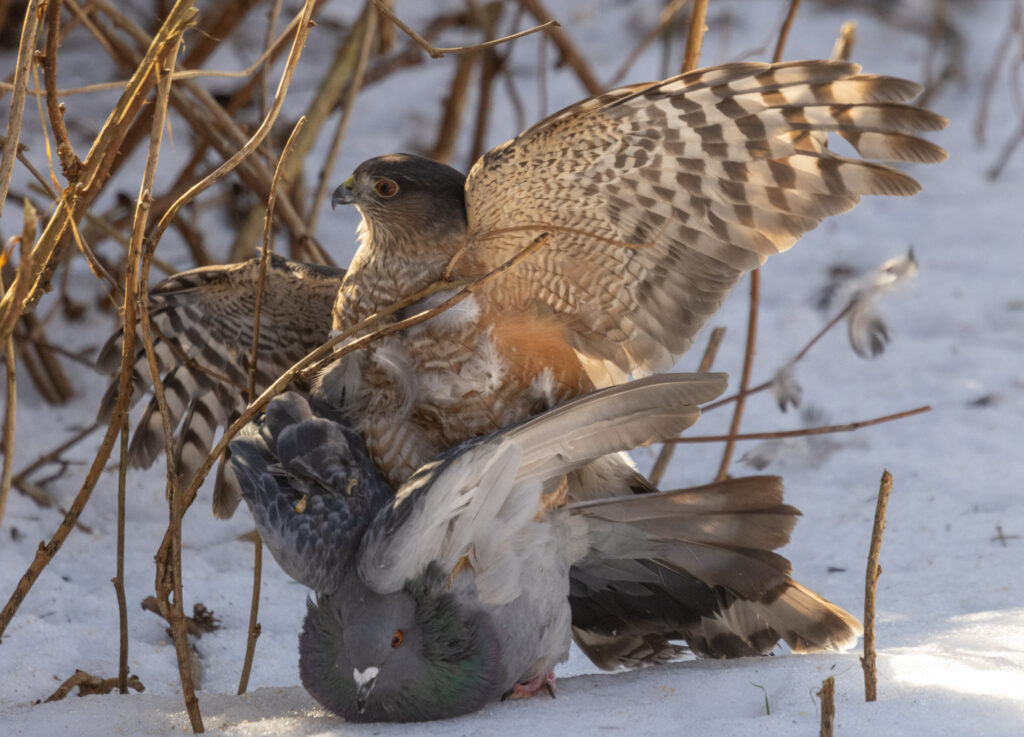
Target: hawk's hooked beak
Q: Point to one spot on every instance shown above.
(365, 679)
(344, 194)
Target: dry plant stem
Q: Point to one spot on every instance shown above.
(69, 162)
(799, 357)
(748, 365)
(254, 625)
(437, 52)
(268, 42)
(355, 84)
(95, 170)
(755, 291)
(570, 53)
(828, 706)
(175, 613)
(868, 662)
(667, 450)
(29, 31)
(454, 106)
(9, 421)
(695, 37)
(118, 580)
(821, 430)
(302, 31)
(177, 20)
(787, 24)
(668, 15)
(257, 569)
(315, 360)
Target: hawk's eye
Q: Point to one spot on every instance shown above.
(386, 187)
(396, 639)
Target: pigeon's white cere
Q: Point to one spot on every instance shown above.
(362, 677)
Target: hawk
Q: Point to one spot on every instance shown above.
(202, 335)
(656, 197)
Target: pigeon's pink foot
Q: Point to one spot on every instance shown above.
(528, 689)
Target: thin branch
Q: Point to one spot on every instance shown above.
(355, 84)
(828, 706)
(69, 162)
(668, 15)
(26, 47)
(695, 37)
(667, 450)
(799, 357)
(118, 580)
(868, 662)
(175, 614)
(780, 45)
(570, 53)
(748, 364)
(821, 430)
(257, 569)
(437, 52)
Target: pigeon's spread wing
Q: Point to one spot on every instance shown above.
(659, 197)
(476, 504)
(311, 487)
(203, 326)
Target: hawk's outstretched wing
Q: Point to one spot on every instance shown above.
(660, 196)
(203, 323)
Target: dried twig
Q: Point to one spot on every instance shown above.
(695, 37)
(95, 168)
(175, 614)
(799, 357)
(437, 52)
(29, 31)
(455, 104)
(755, 293)
(821, 430)
(668, 449)
(868, 661)
(668, 15)
(257, 569)
(828, 706)
(118, 580)
(355, 84)
(89, 684)
(787, 24)
(566, 47)
(69, 162)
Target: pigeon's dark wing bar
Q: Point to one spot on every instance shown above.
(203, 325)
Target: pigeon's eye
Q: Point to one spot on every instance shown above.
(386, 187)
(396, 639)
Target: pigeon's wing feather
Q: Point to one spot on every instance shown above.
(698, 565)
(311, 487)
(483, 494)
(203, 325)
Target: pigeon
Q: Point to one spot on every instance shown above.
(466, 585)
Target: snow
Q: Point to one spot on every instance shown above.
(950, 622)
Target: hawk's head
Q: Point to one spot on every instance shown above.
(409, 194)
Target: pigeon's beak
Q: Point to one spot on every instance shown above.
(365, 679)
(344, 195)
(363, 693)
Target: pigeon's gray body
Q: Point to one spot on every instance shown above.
(475, 577)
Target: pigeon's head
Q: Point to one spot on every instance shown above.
(403, 197)
(411, 655)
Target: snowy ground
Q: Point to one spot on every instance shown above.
(951, 598)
